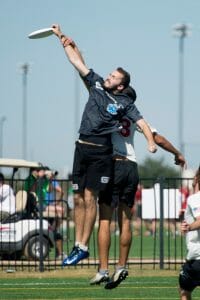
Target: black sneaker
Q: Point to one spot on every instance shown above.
(116, 278)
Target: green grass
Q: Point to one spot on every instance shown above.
(153, 287)
(142, 246)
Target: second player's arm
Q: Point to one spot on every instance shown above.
(162, 142)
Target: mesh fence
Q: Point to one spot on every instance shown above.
(157, 240)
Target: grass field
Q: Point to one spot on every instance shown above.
(142, 246)
(74, 284)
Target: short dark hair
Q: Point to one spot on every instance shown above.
(1, 178)
(126, 77)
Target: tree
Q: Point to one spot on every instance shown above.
(153, 169)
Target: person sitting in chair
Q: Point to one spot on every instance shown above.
(7, 200)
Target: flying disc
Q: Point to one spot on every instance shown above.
(41, 33)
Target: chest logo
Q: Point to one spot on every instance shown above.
(112, 109)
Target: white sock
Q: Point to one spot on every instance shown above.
(103, 272)
(83, 247)
(118, 268)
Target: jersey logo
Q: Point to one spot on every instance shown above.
(112, 109)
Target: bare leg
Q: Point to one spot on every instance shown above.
(105, 215)
(59, 246)
(90, 216)
(79, 216)
(124, 219)
(85, 216)
(185, 295)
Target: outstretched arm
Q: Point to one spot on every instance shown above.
(148, 134)
(68, 41)
(71, 51)
(166, 145)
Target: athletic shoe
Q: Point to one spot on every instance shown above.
(72, 253)
(99, 278)
(75, 256)
(116, 278)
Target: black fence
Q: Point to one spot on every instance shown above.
(157, 240)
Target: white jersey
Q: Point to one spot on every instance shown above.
(193, 237)
(123, 141)
(7, 199)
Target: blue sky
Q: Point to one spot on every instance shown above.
(134, 34)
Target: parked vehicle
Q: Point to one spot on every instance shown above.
(22, 236)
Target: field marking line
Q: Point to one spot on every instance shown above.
(85, 288)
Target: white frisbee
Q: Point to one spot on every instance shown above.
(41, 33)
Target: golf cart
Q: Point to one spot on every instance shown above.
(22, 235)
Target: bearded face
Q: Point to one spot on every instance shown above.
(113, 82)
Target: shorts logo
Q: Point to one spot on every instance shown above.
(75, 186)
(105, 179)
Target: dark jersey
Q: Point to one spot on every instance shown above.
(103, 111)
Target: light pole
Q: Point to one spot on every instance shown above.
(2, 120)
(181, 31)
(25, 69)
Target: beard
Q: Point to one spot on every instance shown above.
(110, 89)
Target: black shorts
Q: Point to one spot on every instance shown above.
(189, 277)
(92, 167)
(124, 185)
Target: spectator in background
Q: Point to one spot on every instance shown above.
(31, 183)
(7, 200)
(53, 209)
(149, 225)
(186, 189)
(41, 184)
(70, 201)
(189, 277)
(53, 195)
(36, 185)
